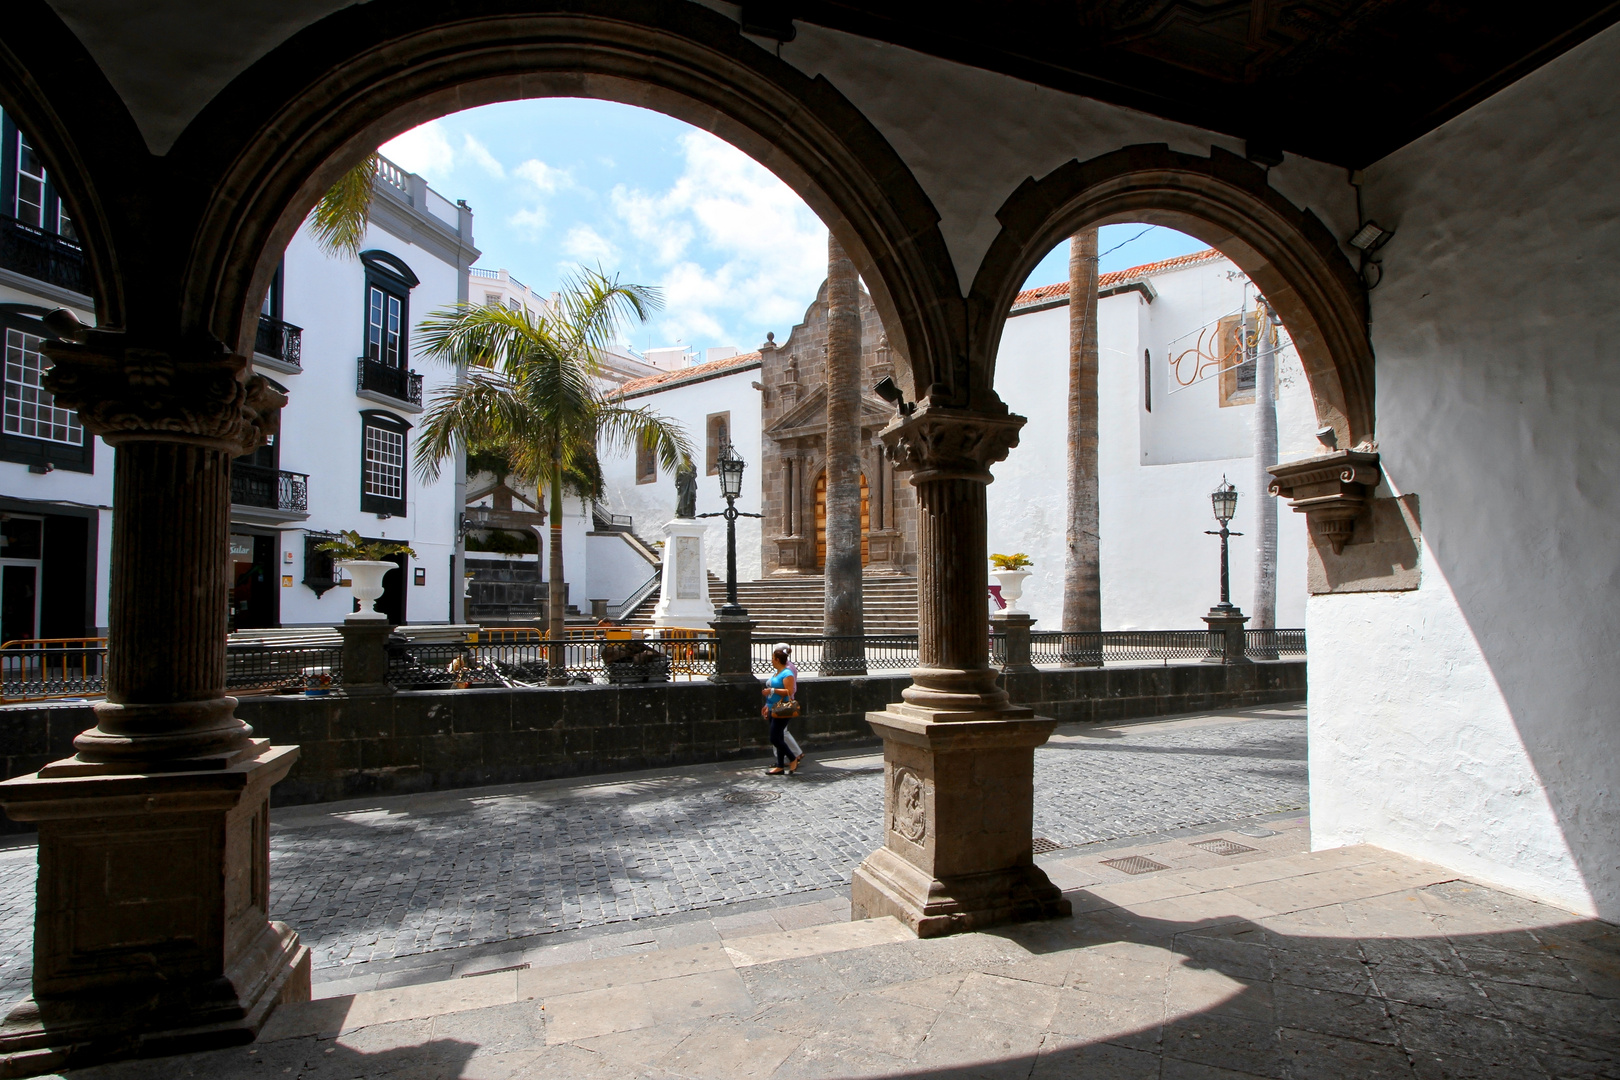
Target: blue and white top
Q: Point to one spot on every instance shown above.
(779, 682)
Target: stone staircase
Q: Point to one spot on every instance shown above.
(794, 605)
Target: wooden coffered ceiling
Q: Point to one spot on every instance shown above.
(1344, 81)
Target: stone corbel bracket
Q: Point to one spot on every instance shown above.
(1332, 491)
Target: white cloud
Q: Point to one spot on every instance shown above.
(530, 222)
(545, 178)
(480, 156)
(737, 247)
(588, 246)
(423, 150)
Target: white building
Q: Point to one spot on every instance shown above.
(1176, 411)
(1174, 417)
(336, 334)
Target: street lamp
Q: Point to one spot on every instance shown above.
(1224, 501)
(731, 473)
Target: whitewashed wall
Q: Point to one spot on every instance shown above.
(320, 428)
(1474, 721)
(1159, 570)
(651, 505)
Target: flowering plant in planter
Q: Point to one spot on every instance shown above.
(1009, 573)
(367, 563)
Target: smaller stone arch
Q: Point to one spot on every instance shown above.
(1224, 201)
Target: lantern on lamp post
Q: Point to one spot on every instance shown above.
(730, 467)
(1224, 501)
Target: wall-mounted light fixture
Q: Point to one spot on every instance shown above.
(1370, 237)
(887, 389)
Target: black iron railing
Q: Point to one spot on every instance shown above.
(283, 668)
(390, 381)
(604, 521)
(274, 489)
(280, 341)
(821, 654)
(42, 256)
(1274, 644)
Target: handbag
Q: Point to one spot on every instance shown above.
(785, 710)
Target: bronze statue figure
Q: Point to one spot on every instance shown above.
(686, 491)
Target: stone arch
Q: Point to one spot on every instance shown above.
(338, 90)
(1226, 202)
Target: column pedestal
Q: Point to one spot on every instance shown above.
(151, 934)
(1014, 626)
(958, 807)
(734, 660)
(365, 657)
(683, 594)
(1228, 636)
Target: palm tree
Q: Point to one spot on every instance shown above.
(1082, 567)
(529, 389)
(339, 220)
(842, 616)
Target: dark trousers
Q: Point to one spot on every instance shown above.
(778, 730)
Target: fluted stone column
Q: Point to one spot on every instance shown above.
(958, 797)
(151, 932)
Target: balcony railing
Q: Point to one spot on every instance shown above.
(390, 381)
(42, 256)
(273, 489)
(280, 341)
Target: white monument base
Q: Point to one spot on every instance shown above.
(683, 596)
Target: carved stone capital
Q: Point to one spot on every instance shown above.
(124, 392)
(941, 443)
(1332, 491)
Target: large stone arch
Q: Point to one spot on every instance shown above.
(1224, 201)
(338, 90)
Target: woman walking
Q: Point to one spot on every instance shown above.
(781, 706)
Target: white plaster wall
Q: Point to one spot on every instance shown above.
(1473, 722)
(320, 427)
(651, 505)
(616, 570)
(1159, 570)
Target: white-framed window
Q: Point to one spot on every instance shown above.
(29, 205)
(385, 462)
(384, 318)
(30, 410)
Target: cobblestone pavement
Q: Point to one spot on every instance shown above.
(404, 876)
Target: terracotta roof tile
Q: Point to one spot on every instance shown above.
(1060, 291)
(680, 375)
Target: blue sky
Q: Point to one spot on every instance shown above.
(557, 182)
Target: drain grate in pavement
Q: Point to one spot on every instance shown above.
(751, 798)
(1257, 831)
(496, 971)
(1135, 864)
(1222, 847)
(1041, 845)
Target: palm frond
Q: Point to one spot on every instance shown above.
(339, 220)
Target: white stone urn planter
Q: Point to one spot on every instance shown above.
(367, 577)
(1012, 586)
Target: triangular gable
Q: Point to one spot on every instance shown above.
(810, 415)
(499, 486)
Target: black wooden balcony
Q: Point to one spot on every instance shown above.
(280, 341)
(390, 381)
(42, 256)
(270, 489)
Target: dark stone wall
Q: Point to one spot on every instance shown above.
(428, 740)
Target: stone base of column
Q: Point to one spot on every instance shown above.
(1014, 626)
(151, 933)
(1226, 627)
(734, 660)
(365, 657)
(958, 806)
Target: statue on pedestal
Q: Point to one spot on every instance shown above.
(686, 491)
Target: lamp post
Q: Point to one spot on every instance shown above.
(731, 474)
(1224, 501)
(1228, 641)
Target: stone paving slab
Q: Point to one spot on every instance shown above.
(404, 878)
(1376, 966)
